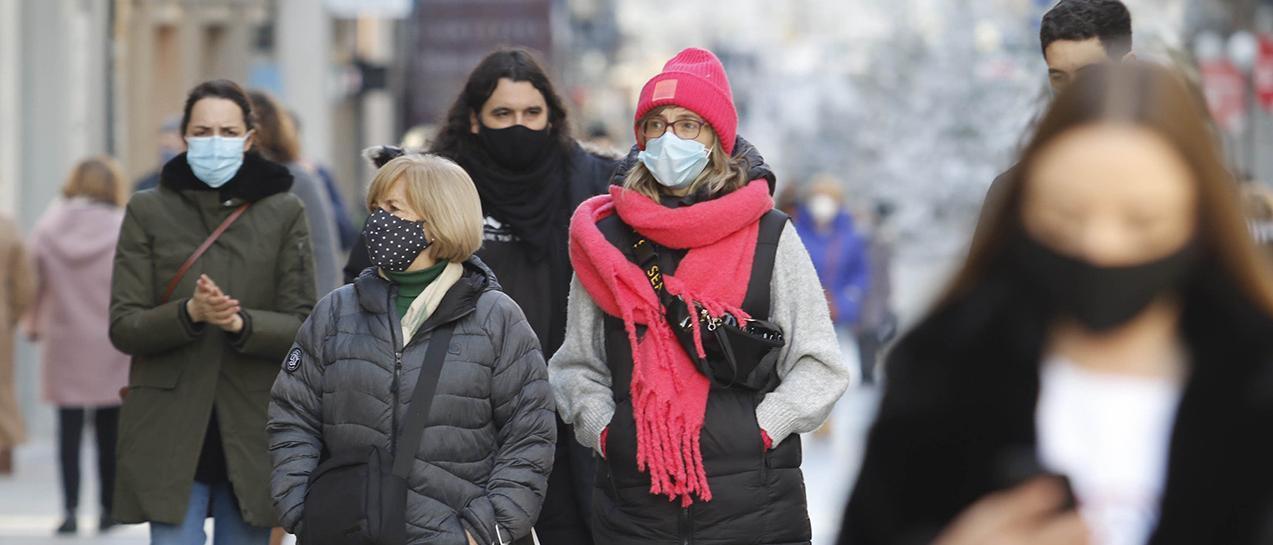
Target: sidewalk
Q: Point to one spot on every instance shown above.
(30, 499)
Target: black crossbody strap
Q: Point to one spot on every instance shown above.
(648, 260)
(757, 301)
(421, 400)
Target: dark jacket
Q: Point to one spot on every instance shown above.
(960, 408)
(179, 370)
(757, 494)
(525, 277)
(995, 194)
(488, 445)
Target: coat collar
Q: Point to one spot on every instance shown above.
(373, 293)
(257, 179)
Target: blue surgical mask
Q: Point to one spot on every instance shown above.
(673, 161)
(215, 159)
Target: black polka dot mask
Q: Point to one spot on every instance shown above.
(392, 242)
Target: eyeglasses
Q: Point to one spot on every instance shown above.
(686, 129)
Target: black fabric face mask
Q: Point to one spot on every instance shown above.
(1101, 298)
(515, 148)
(392, 242)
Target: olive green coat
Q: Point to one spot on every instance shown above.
(181, 371)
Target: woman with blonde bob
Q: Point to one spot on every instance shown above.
(479, 472)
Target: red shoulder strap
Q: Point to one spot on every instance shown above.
(185, 267)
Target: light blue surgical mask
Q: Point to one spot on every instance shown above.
(674, 162)
(215, 159)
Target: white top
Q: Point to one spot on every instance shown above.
(1110, 434)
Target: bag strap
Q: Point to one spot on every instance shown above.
(189, 264)
(648, 260)
(421, 400)
(757, 300)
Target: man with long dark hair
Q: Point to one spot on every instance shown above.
(509, 130)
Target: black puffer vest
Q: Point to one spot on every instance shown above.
(758, 497)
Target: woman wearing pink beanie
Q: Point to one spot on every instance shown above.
(698, 344)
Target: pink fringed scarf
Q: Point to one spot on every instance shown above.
(669, 394)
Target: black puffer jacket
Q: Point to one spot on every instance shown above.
(488, 446)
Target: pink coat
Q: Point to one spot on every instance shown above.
(73, 247)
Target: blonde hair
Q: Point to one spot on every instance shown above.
(443, 194)
(828, 185)
(723, 174)
(98, 179)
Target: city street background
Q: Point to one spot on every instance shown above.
(916, 103)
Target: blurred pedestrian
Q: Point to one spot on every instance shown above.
(787, 200)
(877, 322)
(419, 137)
(1114, 327)
(599, 137)
(16, 291)
(345, 228)
(170, 145)
(1073, 35)
(73, 248)
(840, 255)
(491, 402)
(510, 131)
(276, 140)
(213, 275)
(697, 448)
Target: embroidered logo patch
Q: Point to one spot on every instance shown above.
(664, 90)
(293, 361)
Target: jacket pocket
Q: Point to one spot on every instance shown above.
(785, 455)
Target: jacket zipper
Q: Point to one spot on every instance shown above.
(395, 327)
(397, 373)
(687, 530)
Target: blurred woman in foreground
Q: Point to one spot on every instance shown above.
(1113, 329)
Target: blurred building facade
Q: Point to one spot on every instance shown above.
(84, 77)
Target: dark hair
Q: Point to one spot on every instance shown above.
(275, 134)
(1080, 20)
(219, 88)
(515, 64)
(988, 297)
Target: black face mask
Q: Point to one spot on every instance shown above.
(1101, 298)
(515, 148)
(392, 242)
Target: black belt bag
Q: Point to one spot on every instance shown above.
(738, 354)
(734, 351)
(360, 498)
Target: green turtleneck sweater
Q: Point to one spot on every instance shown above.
(412, 284)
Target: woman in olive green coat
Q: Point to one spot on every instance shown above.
(192, 427)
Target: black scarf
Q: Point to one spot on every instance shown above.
(535, 204)
(257, 179)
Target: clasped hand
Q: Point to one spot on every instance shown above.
(209, 304)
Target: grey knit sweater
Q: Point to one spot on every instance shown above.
(811, 368)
